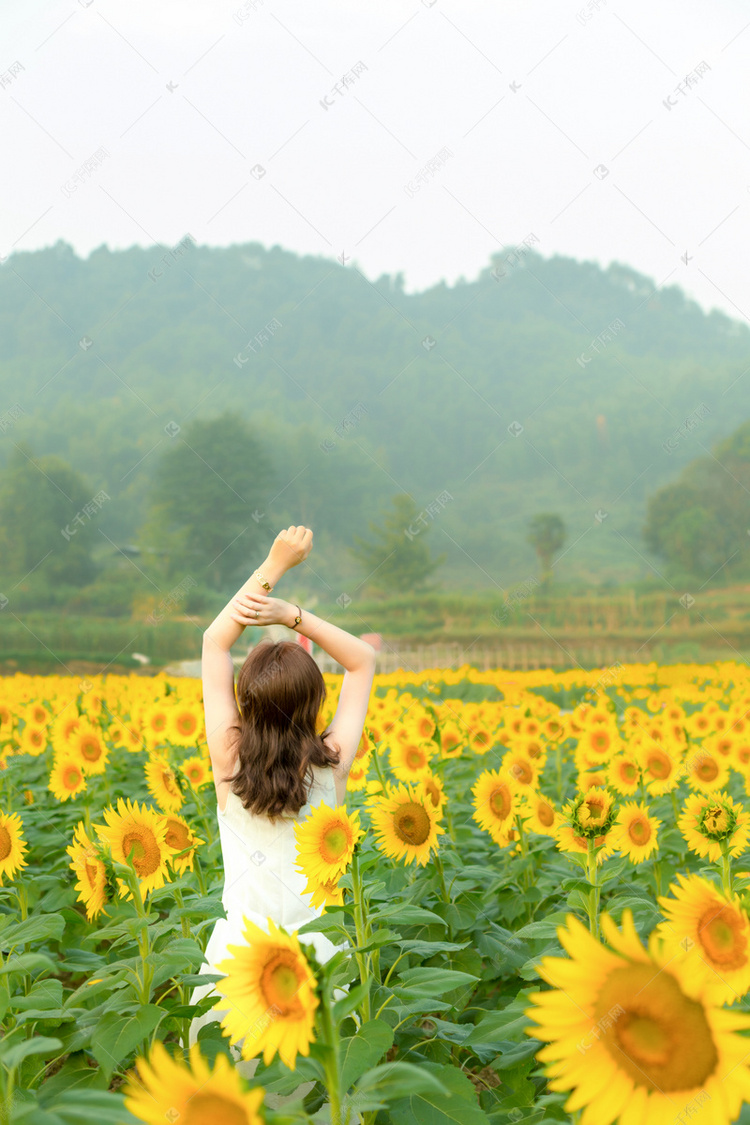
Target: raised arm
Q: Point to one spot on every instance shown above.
(355, 655)
(358, 659)
(289, 548)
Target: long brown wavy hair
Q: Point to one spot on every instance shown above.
(280, 690)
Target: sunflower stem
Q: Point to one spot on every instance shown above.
(144, 944)
(379, 768)
(22, 898)
(675, 810)
(524, 851)
(359, 926)
(726, 868)
(201, 808)
(592, 875)
(449, 821)
(441, 873)
(199, 873)
(331, 1060)
(183, 918)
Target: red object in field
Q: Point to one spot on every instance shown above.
(305, 642)
(374, 639)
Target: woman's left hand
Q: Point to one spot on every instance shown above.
(258, 609)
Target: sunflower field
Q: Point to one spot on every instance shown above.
(538, 892)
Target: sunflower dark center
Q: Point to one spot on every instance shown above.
(411, 823)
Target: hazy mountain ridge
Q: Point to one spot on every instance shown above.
(102, 353)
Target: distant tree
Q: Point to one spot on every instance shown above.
(44, 528)
(399, 560)
(330, 481)
(689, 529)
(546, 535)
(209, 501)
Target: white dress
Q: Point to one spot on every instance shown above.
(261, 881)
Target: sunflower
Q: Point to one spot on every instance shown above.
(425, 725)
(66, 777)
(114, 735)
(740, 757)
(530, 726)
(706, 772)
(724, 745)
(163, 1090)
(88, 865)
(88, 745)
(661, 771)
(481, 739)
(181, 839)
(592, 779)
(568, 841)
(699, 724)
(523, 771)
(634, 832)
(324, 894)
(496, 804)
(12, 845)
(197, 770)
(405, 822)
(711, 821)
(7, 721)
(162, 783)
(712, 929)
(374, 731)
(633, 1035)
(600, 741)
(410, 761)
(515, 724)
(591, 813)
(452, 740)
(132, 737)
(432, 787)
(357, 776)
(539, 814)
(32, 739)
(552, 729)
(624, 774)
(326, 840)
(365, 748)
(184, 725)
(156, 725)
(40, 714)
(143, 831)
(271, 995)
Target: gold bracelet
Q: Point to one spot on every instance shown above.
(297, 619)
(262, 581)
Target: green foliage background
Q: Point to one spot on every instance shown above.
(363, 392)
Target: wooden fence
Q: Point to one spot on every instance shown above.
(520, 656)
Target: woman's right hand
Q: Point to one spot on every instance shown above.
(258, 609)
(291, 547)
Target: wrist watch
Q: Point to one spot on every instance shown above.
(261, 579)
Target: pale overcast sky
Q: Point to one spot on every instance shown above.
(608, 130)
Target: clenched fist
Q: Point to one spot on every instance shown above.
(291, 547)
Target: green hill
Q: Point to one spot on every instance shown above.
(102, 354)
